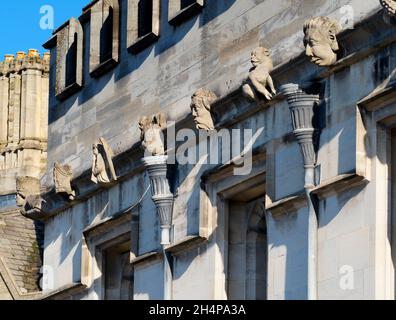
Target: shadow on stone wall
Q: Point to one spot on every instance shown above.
(169, 36)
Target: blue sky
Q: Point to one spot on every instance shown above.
(20, 22)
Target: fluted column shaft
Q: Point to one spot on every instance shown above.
(156, 167)
(302, 107)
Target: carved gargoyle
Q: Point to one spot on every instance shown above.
(201, 102)
(62, 179)
(102, 164)
(259, 83)
(320, 40)
(28, 196)
(151, 134)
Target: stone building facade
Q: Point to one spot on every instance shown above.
(24, 82)
(291, 199)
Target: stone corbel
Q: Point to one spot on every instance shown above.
(62, 179)
(155, 163)
(156, 167)
(28, 197)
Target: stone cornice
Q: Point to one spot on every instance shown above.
(63, 292)
(185, 244)
(31, 144)
(175, 248)
(330, 187)
(379, 98)
(298, 70)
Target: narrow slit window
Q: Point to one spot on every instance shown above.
(145, 17)
(106, 37)
(143, 24)
(68, 42)
(71, 63)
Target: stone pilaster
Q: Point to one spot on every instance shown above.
(4, 89)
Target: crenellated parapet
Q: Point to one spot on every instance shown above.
(24, 61)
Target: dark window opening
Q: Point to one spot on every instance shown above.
(118, 273)
(145, 17)
(106, 38)
(185, 3)
(247, 236)
(71, 63)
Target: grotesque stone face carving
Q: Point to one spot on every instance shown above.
(26, 187)
(102, 165)
(389, 7)
(320, 40)
(62, 180)
(201, 102)
(28, 195)
(259, 83)
(151, 134)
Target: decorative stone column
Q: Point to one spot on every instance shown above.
(302, 103)
(162, 197)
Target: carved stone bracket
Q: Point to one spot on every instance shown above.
(62, 180)
(162, 197)
(302, 105)
(28, 195)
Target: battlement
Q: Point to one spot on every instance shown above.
(23, 61)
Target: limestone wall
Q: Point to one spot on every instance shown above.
(213, 50)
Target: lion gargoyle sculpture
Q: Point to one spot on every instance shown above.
(259, 83)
